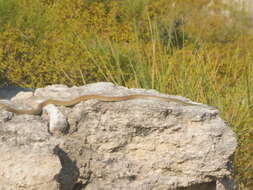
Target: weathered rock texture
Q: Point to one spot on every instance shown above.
(137, 144)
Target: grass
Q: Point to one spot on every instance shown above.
(183, 47)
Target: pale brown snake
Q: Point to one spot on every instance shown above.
(38, 109)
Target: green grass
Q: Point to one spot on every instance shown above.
(176, 48)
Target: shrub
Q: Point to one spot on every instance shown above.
(194, 48)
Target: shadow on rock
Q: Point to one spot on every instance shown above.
(69, 174)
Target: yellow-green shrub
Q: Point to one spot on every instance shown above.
(186, 47)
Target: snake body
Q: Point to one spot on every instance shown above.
(38, 109)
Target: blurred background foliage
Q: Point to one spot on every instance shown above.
(198, 49)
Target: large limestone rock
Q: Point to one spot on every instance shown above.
(137, 144)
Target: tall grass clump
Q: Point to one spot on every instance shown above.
(198, 49)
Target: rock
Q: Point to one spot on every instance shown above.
(139, 144)
(26, 160)
(58, 124)
(22, 96)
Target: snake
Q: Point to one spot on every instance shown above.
(68, 103)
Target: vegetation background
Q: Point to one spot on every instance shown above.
(198, 49)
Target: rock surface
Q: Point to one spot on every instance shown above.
(138, 144)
